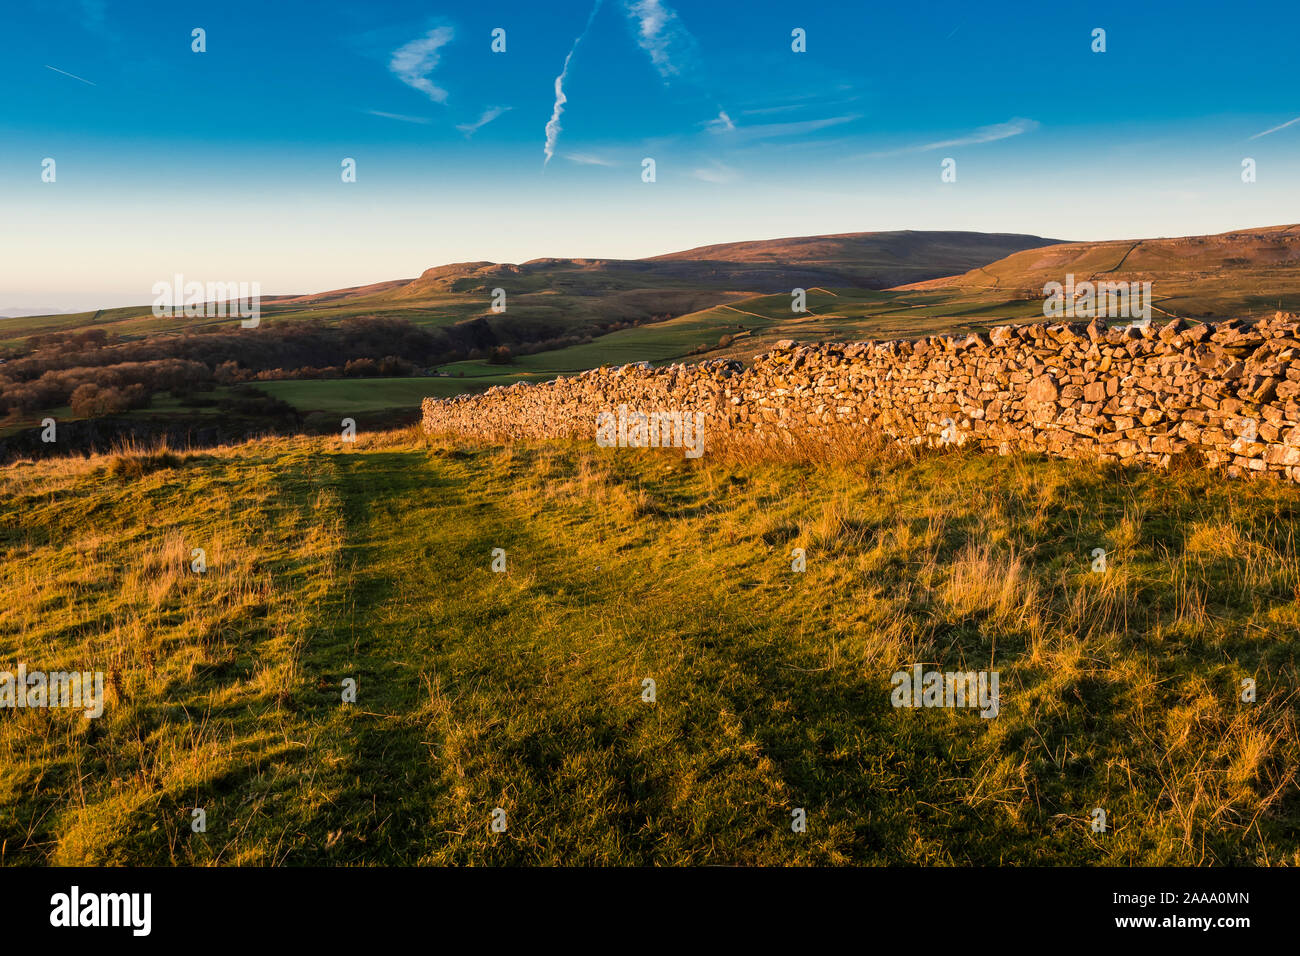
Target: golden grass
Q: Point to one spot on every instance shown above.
(522, 690)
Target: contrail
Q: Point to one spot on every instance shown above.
(66, 73)
(1276, 128)
(553, 125)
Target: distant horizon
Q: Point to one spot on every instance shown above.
(120, 300)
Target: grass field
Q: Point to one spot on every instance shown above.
(347, 395)
(523, 690)
(756, 323)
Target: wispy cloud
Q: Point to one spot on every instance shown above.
(1276, 128)
(66, 73)
(715, 173)
(553, 124)
(985, 134)
(587, 159)
(825, 97)
(659, 31)
(765, 110)
(489, 114)
(774, 130)
(93, 15)
(720, 124)
(413, 62)
(399, 116)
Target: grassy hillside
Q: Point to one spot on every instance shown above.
(873, 260)
(523, 690)
(1234, 274)
(532, 305)
(563, 296)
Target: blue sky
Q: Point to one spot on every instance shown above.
(225, 165)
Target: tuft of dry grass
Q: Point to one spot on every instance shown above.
(981, 581)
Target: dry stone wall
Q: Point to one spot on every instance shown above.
(1225, 394)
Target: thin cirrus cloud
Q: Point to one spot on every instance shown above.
(93, 15)
(1276, 128)
(660, 33)
(489, 114)
(399, 116)
(985, 134)
(766, 110)
(738, 134)
(415, 61)
(715, 173)
(587, 159)
(553, 127)
(720, 124)
(840, 94)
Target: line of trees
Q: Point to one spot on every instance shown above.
(100, 374)
(97, 374)
(124, 385)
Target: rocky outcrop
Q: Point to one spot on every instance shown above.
(1225, 394)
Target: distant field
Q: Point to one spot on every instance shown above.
(139, 321)
(362, 394)
(756, 323)
(556, 312)
(523, 690)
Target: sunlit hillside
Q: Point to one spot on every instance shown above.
(647, 679)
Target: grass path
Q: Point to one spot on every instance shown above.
(523, 690)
